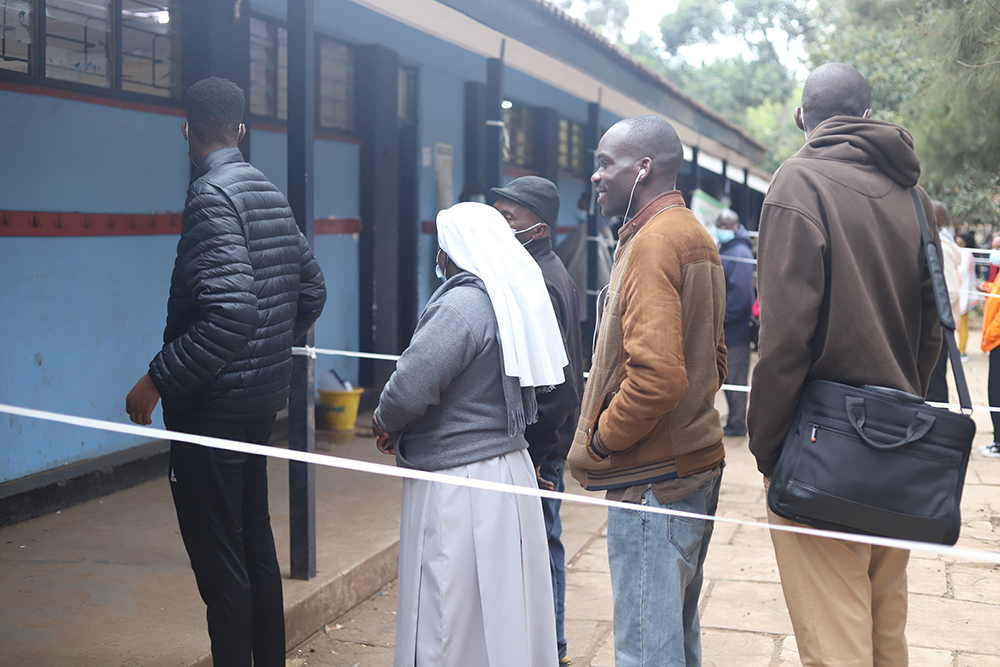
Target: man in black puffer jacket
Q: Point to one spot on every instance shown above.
(245, 287)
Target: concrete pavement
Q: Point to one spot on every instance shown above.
(108, 583)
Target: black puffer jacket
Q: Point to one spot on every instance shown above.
(245, 287)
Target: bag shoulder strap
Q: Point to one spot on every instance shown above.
(943, 303)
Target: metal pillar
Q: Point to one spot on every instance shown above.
(301, 413)
(696, 170)
(376, 71)
(747, 199)
(592, 138)
(494, 122)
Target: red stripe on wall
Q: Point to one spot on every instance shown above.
(38, 223)
(46, 91)
(323, 226)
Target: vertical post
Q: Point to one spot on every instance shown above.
(547, 143)
(475, 133)
(593, 247)
(301, 413)
(376, 71)
(696, 169)
(494, 122)
(747, 198)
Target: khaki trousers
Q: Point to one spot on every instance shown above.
(847, 601)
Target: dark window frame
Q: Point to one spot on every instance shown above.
(36, 74)
(274, 120)
(521, 151)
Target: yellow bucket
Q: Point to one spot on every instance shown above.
(340, 408)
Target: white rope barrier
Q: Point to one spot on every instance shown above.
(408, 473)
(313, 351)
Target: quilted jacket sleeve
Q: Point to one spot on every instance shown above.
(213, 269)
(312, 292)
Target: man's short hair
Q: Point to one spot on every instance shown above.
(215, 110)
(834, 89)
(653, 137)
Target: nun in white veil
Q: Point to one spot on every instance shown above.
(474, 581)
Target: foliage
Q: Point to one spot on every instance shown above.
(606, 16)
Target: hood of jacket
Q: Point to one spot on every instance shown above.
(853, 139)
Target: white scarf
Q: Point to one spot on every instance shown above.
(478, 240)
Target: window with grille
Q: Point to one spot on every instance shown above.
(77, 41)
(126, 45)
(335, 89)
(520, 131)
(571, 149)
(268, 69)
(150, 43)
(16, 30)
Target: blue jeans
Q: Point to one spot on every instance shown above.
(656, 574)
(552, 470)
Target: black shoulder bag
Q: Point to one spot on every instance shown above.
(875, 460)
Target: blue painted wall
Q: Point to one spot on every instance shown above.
(83, 316)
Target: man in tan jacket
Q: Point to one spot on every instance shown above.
(649, 432)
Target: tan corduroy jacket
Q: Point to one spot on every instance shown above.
(660, 356)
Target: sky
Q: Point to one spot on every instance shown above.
(645, 15)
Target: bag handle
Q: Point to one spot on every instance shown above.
(921, 424)
(943, 305)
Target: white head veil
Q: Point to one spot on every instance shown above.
(478, 239)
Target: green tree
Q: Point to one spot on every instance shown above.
(933, 67)
(606, 16)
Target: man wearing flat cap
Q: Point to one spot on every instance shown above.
(531, 205)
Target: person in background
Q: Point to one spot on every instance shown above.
(244, 288)
(736, 252)
(951, 259)
(530, 205)
(573, 249)
(474, 580)
(991, 345)
(968, 298)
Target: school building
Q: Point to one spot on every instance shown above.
(406, 103)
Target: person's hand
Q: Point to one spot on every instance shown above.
(543, 483)
(381, 437)
(983, 287)
(141, 400)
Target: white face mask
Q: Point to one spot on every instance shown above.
(528, 229)
(437, 267)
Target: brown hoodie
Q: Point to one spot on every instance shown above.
(845, 292)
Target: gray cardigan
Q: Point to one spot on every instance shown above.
(446, 395)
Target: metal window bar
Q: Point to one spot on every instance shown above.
(3, 37)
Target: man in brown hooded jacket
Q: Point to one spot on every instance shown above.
(845, 295)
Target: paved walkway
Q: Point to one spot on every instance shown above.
(107, 583)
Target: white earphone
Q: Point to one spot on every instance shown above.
(642, 172)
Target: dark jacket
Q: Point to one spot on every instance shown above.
(245, 287)
(739, 287)
(845, 292)
(559, 409)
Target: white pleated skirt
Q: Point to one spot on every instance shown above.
(474, 582)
